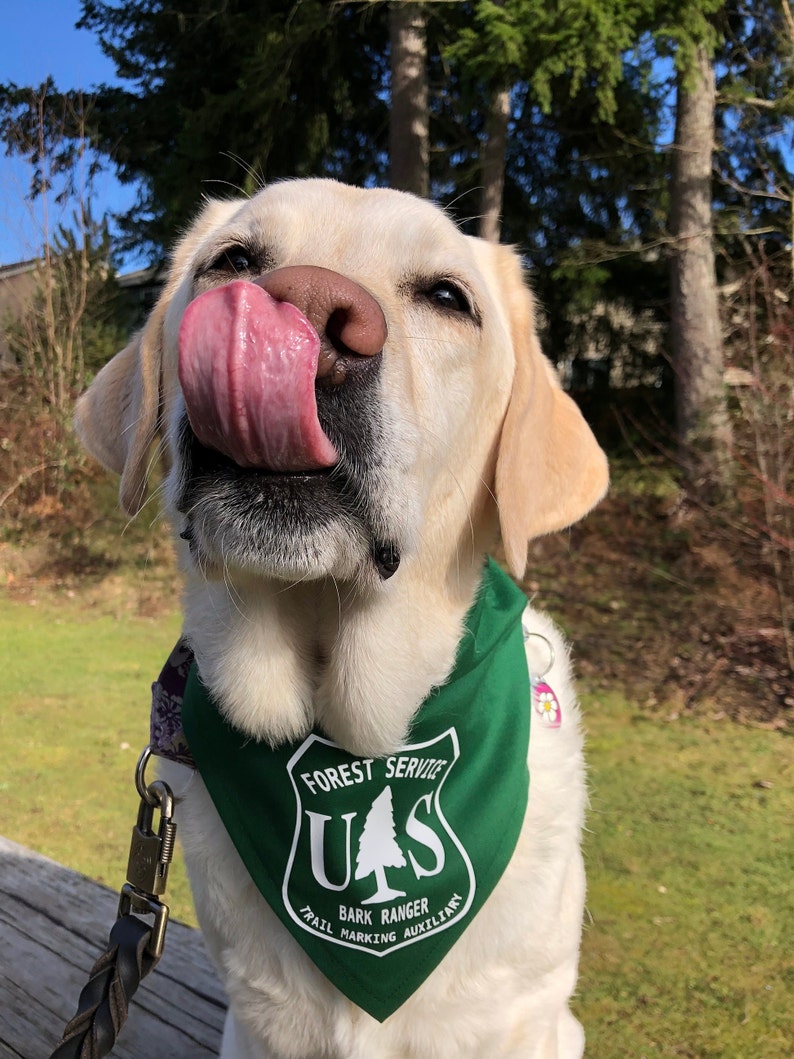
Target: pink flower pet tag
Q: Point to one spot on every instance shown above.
(546, 704)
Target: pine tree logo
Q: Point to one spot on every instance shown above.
(374, 864)
(378, 849)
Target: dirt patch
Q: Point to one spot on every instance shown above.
(659, 607)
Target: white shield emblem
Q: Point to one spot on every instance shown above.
(374, 863)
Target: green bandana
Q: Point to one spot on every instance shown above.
(377, 866)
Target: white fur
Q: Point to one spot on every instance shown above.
(472, 431)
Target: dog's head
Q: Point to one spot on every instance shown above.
(403, 404)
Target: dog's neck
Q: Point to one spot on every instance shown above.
(280, 659)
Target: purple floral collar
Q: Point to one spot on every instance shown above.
(166, 734)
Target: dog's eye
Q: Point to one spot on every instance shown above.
(235, 259)
(446, 295)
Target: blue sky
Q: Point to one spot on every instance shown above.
(38, 38)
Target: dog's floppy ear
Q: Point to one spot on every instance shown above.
(117, 418)
(550, 469)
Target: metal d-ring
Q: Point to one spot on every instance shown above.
(140, 782)
(549, 644)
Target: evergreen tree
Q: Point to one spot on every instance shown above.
(223, 98)
(755, 186)
(556, 111)
(378, 849)
(538, 49)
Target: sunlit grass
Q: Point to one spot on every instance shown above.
(687, 950)
(74, 715)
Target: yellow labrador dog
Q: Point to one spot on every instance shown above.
(352, 406)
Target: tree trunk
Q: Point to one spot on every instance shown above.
(493, 166)
(494, 154)
(409, 131)
(704, 431)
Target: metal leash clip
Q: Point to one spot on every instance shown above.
(151, 853)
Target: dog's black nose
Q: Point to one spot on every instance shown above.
(349, 321)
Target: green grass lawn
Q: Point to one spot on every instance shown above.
(688, 950)
(688, 946)
(74, 716)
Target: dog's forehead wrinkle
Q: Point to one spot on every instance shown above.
(325, 223)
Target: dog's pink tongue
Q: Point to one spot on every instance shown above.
(247, 365)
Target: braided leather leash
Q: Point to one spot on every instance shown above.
(105, 999)
(134, 946)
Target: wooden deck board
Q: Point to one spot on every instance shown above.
(54, 923)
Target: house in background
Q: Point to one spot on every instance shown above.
(17, 289)
(138, 291)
